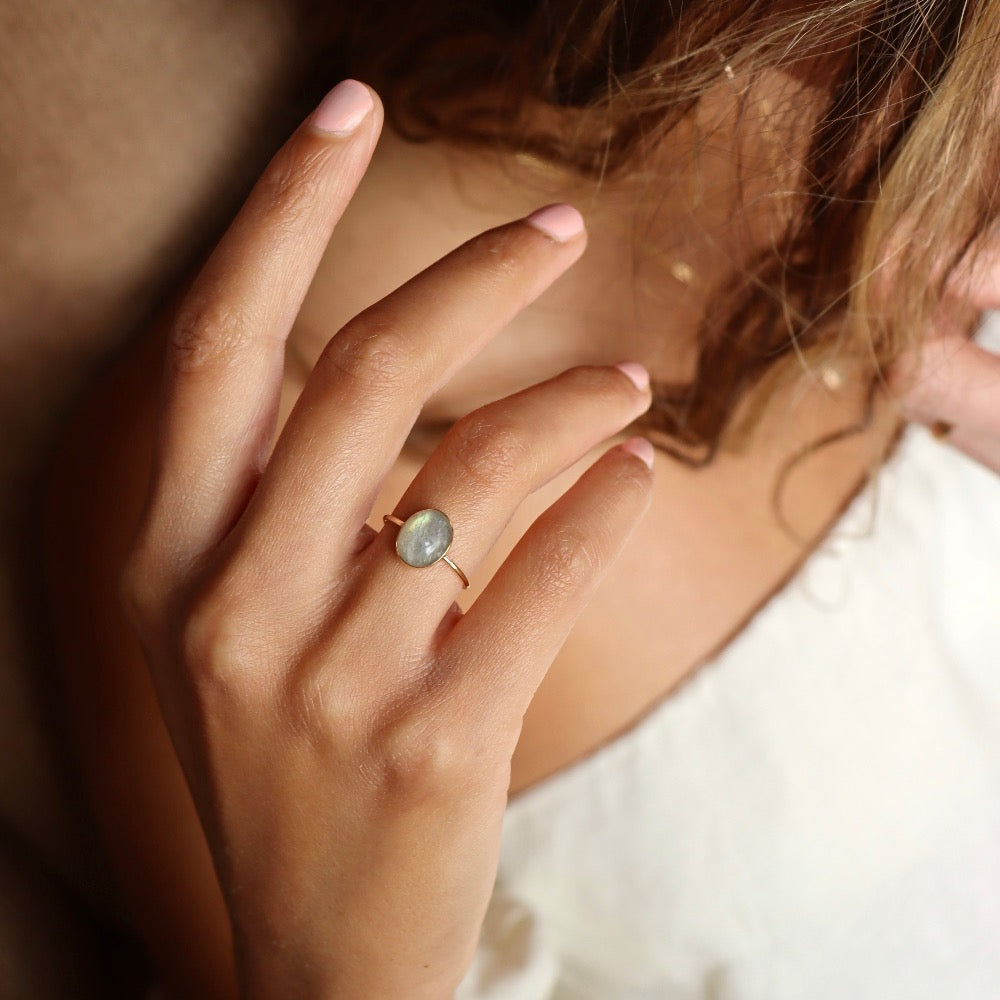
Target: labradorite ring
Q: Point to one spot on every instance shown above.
(424, 539)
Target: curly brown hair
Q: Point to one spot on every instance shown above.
(902, 137)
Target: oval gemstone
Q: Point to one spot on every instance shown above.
(424, 537)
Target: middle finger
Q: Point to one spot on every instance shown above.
(485, 466)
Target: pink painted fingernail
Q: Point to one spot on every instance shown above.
(641, 448)
(559, 222)
(343, 109)
(637, 373)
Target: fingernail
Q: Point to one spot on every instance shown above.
(637, 373)
(559, 222)
(343, 109)
(641, 448)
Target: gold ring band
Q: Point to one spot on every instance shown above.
(424, 539)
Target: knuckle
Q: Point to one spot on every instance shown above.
(218, 642)
(500, 253)
(293, 184)
(417, 756)
(328, 713)
(491, 451)
(205, 330)
(371, 349)
(568, 560)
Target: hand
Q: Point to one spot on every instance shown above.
(345, 730)
(955, 389)
(953, 384)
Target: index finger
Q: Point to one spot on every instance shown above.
(226, 349)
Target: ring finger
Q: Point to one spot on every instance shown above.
(484, 467)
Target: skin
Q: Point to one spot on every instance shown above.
(412, 744)
(425, 740)
(535, 755)
(409, 738)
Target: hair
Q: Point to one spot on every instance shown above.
(895, 185)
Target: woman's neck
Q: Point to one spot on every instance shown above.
(712, 547)
(639, 292)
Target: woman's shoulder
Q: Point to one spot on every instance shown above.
(807, 785)
(900, 591)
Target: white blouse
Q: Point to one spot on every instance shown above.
(815, 815)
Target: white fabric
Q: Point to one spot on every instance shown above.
(816, 814)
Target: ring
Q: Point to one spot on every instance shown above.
(424, 539)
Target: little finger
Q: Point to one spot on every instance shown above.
(498, 652)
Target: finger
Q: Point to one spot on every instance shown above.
(483, 469)
(227, 345)
(372, 380)
(957, 387)
(498, 652)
